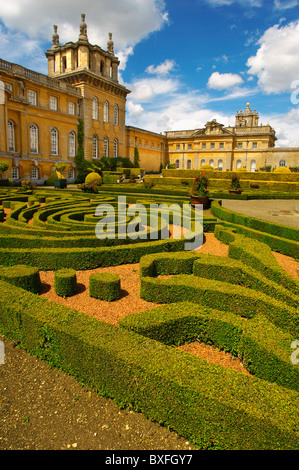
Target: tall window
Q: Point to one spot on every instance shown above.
(106, 147)
(254, 145)
(71, 108)
(203, 162)
(54, 142)
(34, 173)
(252, 165)
(15, 173)
(72, 144)
(188, 164)
(95, 109)
(33, 139)
(211, 162)
(53, 103)
(115, 118)
(282, 163)
(204, 146)
(11, 136)
(212, 146)
(95, 147)
(240, 145)
(71, 173)
(221, 145)
(115, 148)
(106, 111)
(238, 165)
(177, 164)
(220, 165)
(32, 97)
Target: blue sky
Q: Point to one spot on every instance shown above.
(185, 61)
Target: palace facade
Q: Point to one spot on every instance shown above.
(39, 116)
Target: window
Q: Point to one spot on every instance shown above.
(54, 142)
(106, 111)
(15, 173)
(212, 146)
(72, 108)
(203, 162)
(115, 118)
(32, 97)
(282, 163)
(95, 147)
(221, 145)
(106, 147)
(11, 136)
(177, 164)
(34, 173)
(8, 86)
(189, 146)
(188, 164)
(72, 144)
(252, 165)
(115, 148)
(220, 165)
(240, 145)
(53, 103)
(33, 138)
(254, 145)
(204, 146)
(95, 109)
(178, 146)
(238, 164)
(71, 173)
(211, 162)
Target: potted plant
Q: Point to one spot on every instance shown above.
(61, 181)
(235, 187)
(199, 193)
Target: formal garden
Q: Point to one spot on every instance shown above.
(64, 298)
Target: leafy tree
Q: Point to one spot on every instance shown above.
(83, 166)
(136, 157)
(3, 167)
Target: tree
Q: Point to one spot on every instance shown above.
(83, 166)
(3, 167)
(136, 158)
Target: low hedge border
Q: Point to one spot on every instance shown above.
(105, 286)
(263, 348)
(65, 282)
(214, 407)
(26, 277)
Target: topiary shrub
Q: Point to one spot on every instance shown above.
(282, 169)
(104, 286)
(241, 169)
(93, 177)
(207, 167)
(65, 282)
(56, 175)
(26, 277)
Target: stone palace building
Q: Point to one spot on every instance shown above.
(39, 116)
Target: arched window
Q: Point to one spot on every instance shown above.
(115, 148)
(177, 164)
(211, 162)
(188, 164)
(203, 162)
(106, 147)
(220, 165)
(54, 142)
(115, 117)
(11, 136)
(34, 173)
(33, 139)
(72, 144)
(106, 111)
(252, 165)
(95, 147)
(282, 163)
(95, 109)
(238, 164)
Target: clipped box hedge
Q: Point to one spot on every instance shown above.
(105, 286)
(26, 277)
(65, 282)
(212, 406)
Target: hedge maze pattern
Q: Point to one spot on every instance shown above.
(245, 304)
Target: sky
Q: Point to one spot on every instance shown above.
(185, 62)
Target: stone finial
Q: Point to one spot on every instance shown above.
(83, 28)
(110, 44)
(55, 37)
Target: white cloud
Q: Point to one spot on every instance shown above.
(278, 5)
(220, 3)
(276, 63)
(222, 81)
(130, 21)
(162, 69)
(145, 89)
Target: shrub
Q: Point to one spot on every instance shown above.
(26, 277)
(200, 186)
(235, 183)
(93, 177)
(207, 167)
(104, 286)
(54, 176)
(282, 169)
(65, 282)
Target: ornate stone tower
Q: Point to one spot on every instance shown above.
(247, 118)
(95, 72)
